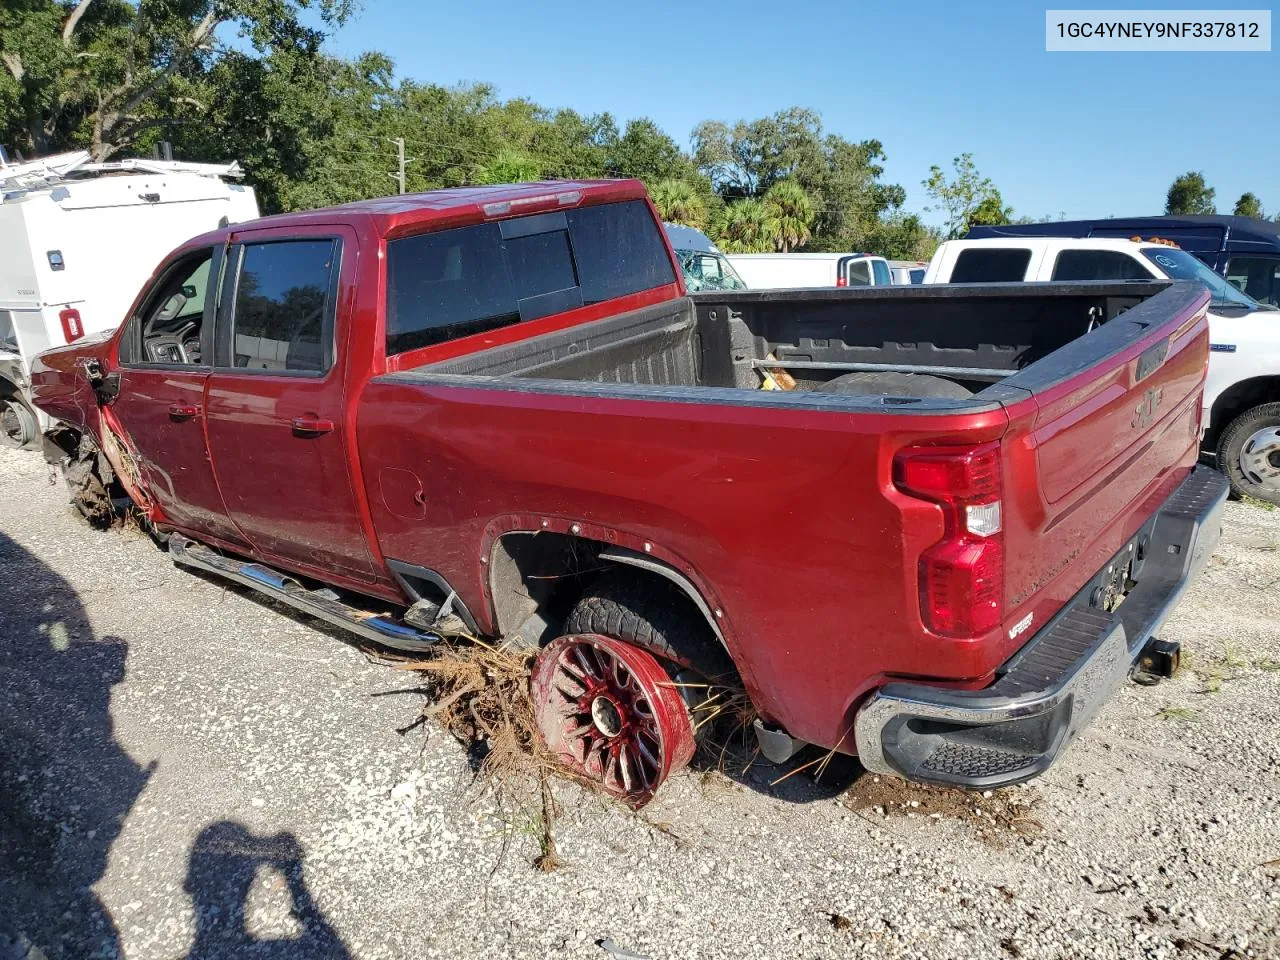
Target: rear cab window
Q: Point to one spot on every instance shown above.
(882, 273)
(986, 265)
(468, 280)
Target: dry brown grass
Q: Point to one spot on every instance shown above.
(480, 694)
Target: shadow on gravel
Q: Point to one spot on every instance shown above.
(66, 785)
(226, 861)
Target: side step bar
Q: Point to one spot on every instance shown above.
(379, 628)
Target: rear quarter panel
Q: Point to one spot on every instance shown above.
(784, 517)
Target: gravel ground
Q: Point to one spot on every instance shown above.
(187, 772)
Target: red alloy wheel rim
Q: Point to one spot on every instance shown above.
(610, 713)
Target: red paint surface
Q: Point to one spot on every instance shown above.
(787, 521)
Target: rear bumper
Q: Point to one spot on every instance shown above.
(1050, 690)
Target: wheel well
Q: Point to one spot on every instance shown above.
(536, 577)
(1235, 400)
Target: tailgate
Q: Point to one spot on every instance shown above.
(1111, 425)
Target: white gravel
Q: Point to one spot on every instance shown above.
(187, 772)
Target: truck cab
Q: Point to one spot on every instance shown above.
(1242, 393)
(703, 265)
(1244, 250)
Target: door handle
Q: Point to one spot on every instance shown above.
(312, 426)
(183, 411)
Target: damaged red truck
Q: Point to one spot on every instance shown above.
(495, 411)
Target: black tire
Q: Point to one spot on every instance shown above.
(18, 425)
(896, 385)
(1232, 443)
(652, 613)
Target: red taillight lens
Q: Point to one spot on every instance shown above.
(961, 576)
(842, 281)
(72, 326)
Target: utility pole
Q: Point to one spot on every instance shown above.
(398, 176)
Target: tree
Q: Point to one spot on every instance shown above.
(746, 228)
(965, 196)
(1189, 194)
(103, 74)
(788, 215)
(680, 202)
(509, 167)
(1249, 206)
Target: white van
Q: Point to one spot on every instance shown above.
(783, 271)
(79, 240)
(1241, 417)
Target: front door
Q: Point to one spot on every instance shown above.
(158, 415)
(277, 425)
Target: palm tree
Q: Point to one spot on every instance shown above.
(790, 215)
(678, 202)
(747, 228)
(508, 167)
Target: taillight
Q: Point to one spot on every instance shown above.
(842, 281)
(72, 326)
(962, 575)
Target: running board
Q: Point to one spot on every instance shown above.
(379, 628)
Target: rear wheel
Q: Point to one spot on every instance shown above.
(18, 426)
(1249, 453)
(614, 696)
(611, 714)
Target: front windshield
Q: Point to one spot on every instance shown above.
(1180, 265)
(704, 270)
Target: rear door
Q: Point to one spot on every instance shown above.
(278, 433)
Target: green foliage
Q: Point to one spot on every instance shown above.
(966, 199)
(105, 74)
(788, 215)
(746, 228)
(1249, 206)
(509, 167)
(1189, 194)
(680, 202)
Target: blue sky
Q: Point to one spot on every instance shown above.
(1087, 134)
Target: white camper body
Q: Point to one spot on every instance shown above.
(79, 240)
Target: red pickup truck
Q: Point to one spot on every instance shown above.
(951, 526)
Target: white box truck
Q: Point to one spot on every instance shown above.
(77, 242)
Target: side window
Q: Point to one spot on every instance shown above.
(1259, 277)
(979, 265)
(857, 273)
(882, 273)
(1098, 265)
(455, 283)
(282, 320)
(170, 326)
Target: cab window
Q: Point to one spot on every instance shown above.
(1098, 265)
(169, 329)
(282, 321)
(986, 265)
(1259, 277)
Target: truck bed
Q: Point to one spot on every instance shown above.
(976, 336)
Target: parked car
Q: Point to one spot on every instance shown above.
(79, 238)
(496, 406)
(703, 265)
(1242, 394)
(906, 272)
(1244, 250)
(783, 271)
